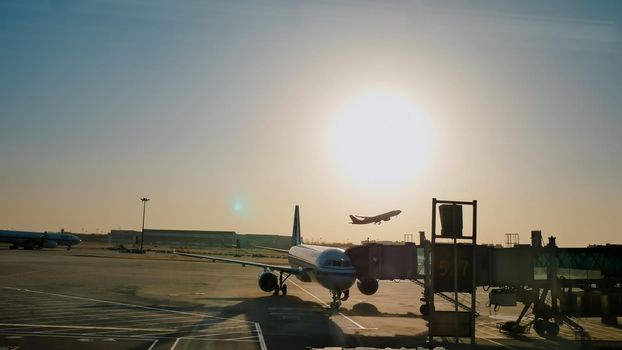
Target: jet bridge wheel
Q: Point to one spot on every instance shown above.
(425, 309)
(552, 329)
(284, 289)
(546, 329)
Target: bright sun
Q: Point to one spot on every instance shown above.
(380, 138)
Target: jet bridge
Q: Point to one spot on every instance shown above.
(556, 284)
(395, 262)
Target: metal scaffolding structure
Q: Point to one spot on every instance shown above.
(455, 265)
(554, 284)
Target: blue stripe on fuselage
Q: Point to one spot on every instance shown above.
(297, 262)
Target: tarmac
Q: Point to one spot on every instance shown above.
(92, 298)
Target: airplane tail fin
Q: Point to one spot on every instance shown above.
(354, 219)
(296, 238)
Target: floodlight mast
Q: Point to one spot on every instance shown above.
(142, 233)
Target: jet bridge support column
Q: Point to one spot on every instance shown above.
(425, 306)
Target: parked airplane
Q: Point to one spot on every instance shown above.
(328, 266)
(378, 219)
(37, 240)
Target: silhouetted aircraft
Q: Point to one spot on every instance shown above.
(38, 240)
(328, 266)
(378, 219)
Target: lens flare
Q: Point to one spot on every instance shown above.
(239, 206)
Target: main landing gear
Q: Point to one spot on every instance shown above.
(282, 287)
(338, 296)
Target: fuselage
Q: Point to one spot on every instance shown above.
(375, 219)
(328, 266)
(390, 214)
(37, 239)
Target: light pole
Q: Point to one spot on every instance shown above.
(142, 233)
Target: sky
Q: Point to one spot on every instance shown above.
(226, 114)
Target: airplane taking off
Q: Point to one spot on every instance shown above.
(37, 240)
(378, 219)
(328, 266)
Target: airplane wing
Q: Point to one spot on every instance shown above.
(363, 217)
(287, 269)
(274, 249)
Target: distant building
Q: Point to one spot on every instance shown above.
(190, 238)
(274, 241)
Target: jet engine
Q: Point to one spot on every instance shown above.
(367, 285)
(49, 244)
(267, 281)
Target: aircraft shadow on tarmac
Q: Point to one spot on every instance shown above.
(285, 321)
(288, 322)
(367, 309)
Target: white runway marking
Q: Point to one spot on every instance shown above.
(94, 318)
(262, 342)
(323, 303)
(214, 329)
(125, 304)
(87, 327)
(55, 310)
(175, 344)
(221, 339)
(153, 344)
(71, 335)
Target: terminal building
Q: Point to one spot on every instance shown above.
(196, 238)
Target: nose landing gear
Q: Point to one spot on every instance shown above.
(338, 296)
(336, 303)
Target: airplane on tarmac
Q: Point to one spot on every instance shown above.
(378, 219)
(328, 266)
(38, 240)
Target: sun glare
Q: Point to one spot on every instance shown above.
(380, 138)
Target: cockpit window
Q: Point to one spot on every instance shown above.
(338, 263)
